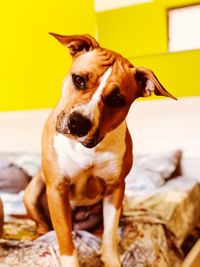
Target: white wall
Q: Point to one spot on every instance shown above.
(156, 126)
(184, 28)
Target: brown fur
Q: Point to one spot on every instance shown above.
(91, 61)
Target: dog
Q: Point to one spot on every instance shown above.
(86, 145)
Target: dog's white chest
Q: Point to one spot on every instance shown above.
(73, 157)
(104, 160)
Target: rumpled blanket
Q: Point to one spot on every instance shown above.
(158, 214)
(176, 205)
(154, 226)
(43, 252)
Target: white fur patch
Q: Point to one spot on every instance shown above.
(109, 225)
(105, 160)
(69, 261)
(97, 95)
(73, 157)
(91, 109)
(109, 243)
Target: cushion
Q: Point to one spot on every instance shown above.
(16, 169)
(149, 172)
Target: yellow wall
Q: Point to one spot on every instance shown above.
(33, 64)
(140, 33)
(178, 72)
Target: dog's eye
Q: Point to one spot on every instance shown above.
(115, 99)
(79, 81)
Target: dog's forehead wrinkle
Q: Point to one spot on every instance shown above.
(98, 57)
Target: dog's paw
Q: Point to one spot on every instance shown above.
(110, 256)
(110, 261)
(69, 261)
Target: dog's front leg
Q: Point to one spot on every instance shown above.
(32, 203)
(111, 213)
(59, 206)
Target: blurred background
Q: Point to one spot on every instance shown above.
(163, 35)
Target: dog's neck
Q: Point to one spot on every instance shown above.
(105, 157)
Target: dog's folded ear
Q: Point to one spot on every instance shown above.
(148, 83)
(77, 44)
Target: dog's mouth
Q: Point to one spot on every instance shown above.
(88, 141)
(78, 131)
(92, 141)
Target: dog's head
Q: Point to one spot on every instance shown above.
(99, 89)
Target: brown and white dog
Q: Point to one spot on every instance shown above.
(86, 145)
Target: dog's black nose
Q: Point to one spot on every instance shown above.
(78, 124)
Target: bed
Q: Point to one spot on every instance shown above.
(161, 206)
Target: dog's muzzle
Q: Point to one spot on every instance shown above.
(76, 124)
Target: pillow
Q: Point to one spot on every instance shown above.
(16, 169)
(12, 178)
(29, 162)
(151, 171)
